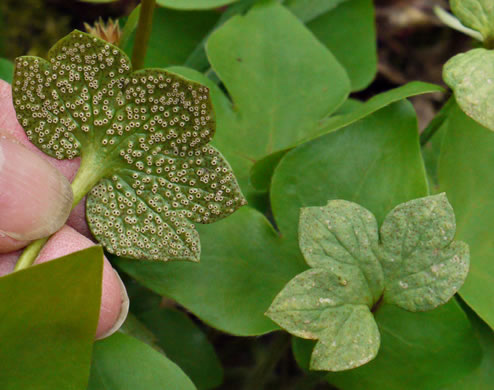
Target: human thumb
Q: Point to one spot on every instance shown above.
(35, 199)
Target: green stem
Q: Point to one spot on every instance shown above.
(30, 253)
(143, 33)
(259, 377)
(437, 122)
(87, 177)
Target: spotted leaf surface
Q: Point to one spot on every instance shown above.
(423, 266)
(471, 76)
(412, 262)
(342, 234)
(331, 302)
(332, 307)
(143, 138)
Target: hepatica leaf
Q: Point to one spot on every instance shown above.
(423, 266)
(143, 138)
(471, 76)
(412, 262)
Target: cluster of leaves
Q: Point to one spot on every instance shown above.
(278, 77)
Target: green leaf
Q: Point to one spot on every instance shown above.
(194, 4)
(143, 137)
(282, 82)
(426, 351)
(465, 175)
(343, 235)
(307, 10)
(49, 315)
(350, 24)
(238, 276)
(263, 169)
(374, 162)
(121, 362)
(476, 14)
(6, 70)
(332, 307)
(129, 27)
(135, 328)
(423, 266)
(483, 376)
(376, 103)
(471, 76)
(174, 35)
(185, 344)
(414, 265)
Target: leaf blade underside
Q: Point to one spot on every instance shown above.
(144, 133)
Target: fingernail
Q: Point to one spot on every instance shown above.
(124, 310)
(35, 199)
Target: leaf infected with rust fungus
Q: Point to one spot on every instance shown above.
(143, 138)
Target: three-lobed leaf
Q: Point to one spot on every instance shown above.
(143, 137)
(281, 83)
(413, 263)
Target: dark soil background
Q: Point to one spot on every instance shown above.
(412, 45)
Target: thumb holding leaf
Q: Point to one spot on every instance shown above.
(35, 202)
(35, 199)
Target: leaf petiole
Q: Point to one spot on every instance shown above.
(143, 32)
(30, 254)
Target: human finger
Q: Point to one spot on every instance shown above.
(114, 298)
(35, 198)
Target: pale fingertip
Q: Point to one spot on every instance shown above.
(7, 262)
(77, 219)
(8, 244)
(122, 316)
(114, 299)
(35, 199)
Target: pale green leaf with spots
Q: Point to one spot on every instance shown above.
(342, 234)
(143, 138)
(331, 302)
(411, 262)
(423, 266)
(476, 14)
(471, 76)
